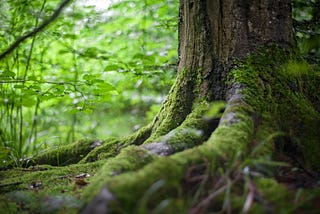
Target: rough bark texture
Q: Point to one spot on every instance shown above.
(244, 25)
(233, 50)
(212, 34)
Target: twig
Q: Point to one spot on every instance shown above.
(44, 24)
(42, 82)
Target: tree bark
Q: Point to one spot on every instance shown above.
(212, 34)
(239, 51)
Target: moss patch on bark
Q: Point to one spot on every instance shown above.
(230, 169)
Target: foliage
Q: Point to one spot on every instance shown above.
(90, 63)
(306, 22)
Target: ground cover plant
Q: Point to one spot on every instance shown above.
(238, 131)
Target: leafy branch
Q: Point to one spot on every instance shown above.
(43, 82)
(33, 32)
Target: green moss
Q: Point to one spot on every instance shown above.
(67, 154)
(113, 146)
(107, 150)
(193, 130)
(131, 188)
(177, 106)
(277, 198)
(39, 203)
(284, 90)
(229, 143)
(129, 159)
(138, 137)
(298, 113)
(232, 139)
(45, 189)
(278, 195)
(265, 106)
(215, 109)
(48, 176)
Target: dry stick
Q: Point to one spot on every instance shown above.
(44, 24)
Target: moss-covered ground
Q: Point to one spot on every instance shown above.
(263, 157)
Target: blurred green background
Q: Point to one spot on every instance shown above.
(102, 68)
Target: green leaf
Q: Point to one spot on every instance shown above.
(91, 52)
(8, 74)
(112, 67)
(149, 58)
(138, 56)
(103, 56)
(64, 51)
(90, 77)
(97, 81)
(32, 77)
(19, 86)
(28, 101)
(106, 86)
(73, 111)
(70, 36)
(35, 87)
(103, 88)
(87, 111)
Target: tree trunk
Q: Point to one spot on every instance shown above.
(212, 34)
(188, 159)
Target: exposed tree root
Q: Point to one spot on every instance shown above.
(236, 163)
(227, 144)
(201, 166)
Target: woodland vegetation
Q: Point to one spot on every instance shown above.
(89, 123)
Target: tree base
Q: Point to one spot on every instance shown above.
(267, 134)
